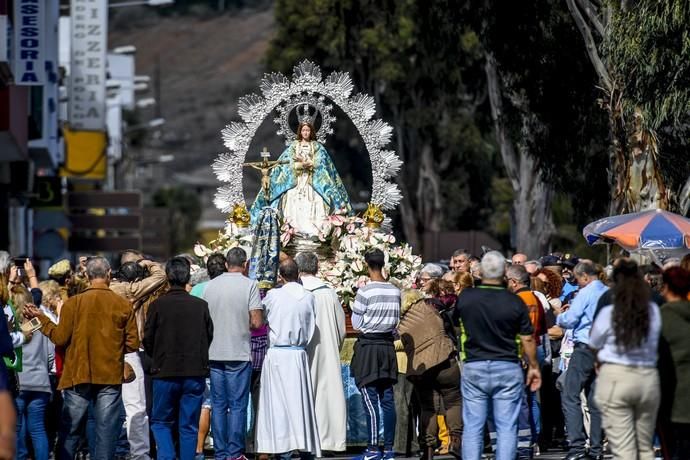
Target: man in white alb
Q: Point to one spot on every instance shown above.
(324, 356)
(286, 420)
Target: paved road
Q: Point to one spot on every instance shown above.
(551, 455)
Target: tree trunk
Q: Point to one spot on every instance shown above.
(634, 173)
(408, 214)
(684, 198)
(636, 180)
(429, 191)
(532, 219)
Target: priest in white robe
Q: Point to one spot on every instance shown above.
(324, 356)
(286, 419)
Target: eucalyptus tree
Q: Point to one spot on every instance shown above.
(546, 122)
(640, 50)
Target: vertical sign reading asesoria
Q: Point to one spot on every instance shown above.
(87, 97)
(29, 36)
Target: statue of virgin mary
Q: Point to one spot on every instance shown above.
(307, 187)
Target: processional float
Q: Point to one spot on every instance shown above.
(339, 238)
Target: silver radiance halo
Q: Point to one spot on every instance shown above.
(284, 95)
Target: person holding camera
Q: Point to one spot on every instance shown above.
(141, 282)
(22, 277)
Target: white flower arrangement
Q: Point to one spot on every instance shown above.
(351, 238)
(348, 271)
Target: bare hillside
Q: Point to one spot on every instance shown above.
(205, 65)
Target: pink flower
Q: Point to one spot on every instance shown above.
(336, 220)
(287, 234)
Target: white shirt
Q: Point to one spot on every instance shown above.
(603, 338)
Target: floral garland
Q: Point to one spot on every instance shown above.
(351, 238)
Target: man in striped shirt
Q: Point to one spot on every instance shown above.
(375, 314)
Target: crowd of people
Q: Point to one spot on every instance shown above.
(563, 352)
(511, 356)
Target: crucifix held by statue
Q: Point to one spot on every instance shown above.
(265, 167)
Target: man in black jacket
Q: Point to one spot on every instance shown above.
(177, 336)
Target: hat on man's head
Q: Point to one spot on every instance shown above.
(60, 268)
(568, 261)
(549, 261)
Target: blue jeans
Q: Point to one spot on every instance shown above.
(107, 404)
(229, 398)
(525, 429)
(495, 384)
(122, 444)
(373, 396)
(526, 425)
(581, 376)
(31, 410)
(176, 398)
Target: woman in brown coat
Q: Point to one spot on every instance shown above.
(431, 366)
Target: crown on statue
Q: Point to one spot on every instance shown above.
(306, 113)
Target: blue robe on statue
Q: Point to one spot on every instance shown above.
(324, 180)
(264, 259)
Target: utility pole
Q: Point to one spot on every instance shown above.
(157, 86)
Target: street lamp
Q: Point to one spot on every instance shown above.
(141, 3)
(126, 49)
(133, 3)
(145, 102)
(149, 124)
(156, 122)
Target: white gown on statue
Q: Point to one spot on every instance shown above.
(302, 206)
(324, 359)
(286, 419)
